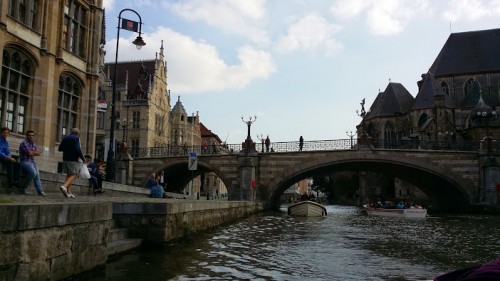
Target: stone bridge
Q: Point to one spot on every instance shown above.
(453, 180)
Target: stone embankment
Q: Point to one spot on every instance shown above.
(53, 237)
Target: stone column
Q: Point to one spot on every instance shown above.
(124, 166)
(246, 173)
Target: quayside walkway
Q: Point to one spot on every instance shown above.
(53, 237)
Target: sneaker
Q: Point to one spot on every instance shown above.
(64, 191)
(42, 193)
(70, 195)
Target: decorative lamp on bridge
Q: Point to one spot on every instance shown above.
(249, 144)
(139, 43)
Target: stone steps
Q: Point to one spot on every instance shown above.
(119, 240)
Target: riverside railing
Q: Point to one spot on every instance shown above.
(316, 145)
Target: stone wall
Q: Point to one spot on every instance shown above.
(52, 241)
(160, 222)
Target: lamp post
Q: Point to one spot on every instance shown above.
(248, 141)
(350, 134)
(138, 42)
(261, 138)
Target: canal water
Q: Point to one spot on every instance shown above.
(345, 245)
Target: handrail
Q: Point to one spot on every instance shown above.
(315, 145)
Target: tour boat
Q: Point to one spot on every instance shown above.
(397, 213)
(307, 209)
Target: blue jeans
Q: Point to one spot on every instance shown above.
(31, 174)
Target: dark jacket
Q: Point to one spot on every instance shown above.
(71, 148)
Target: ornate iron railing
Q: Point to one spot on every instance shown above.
(318, 145)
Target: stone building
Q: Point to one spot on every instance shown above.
(456, 99)
(142, 105)
(185, 129)
(455, 106)
(50, 57)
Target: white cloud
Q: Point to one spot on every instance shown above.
(349, 8)
(195, 66)
(108, 4)
(310, 33)
(240, 17)
(471, 10)
(383, 17)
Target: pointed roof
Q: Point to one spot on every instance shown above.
(178, 107)
(206, 133)
(429, 89)
(468, 53)
(139, 73)
(394, 100)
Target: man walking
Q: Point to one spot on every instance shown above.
(27, 152)
(71, 149)
(301, 143)
(7, 160)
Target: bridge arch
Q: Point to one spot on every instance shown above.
(176, 173)
(442, 188)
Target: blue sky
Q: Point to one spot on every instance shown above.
(301, 66)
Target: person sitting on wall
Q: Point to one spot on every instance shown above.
(153, 185)
(95, 178)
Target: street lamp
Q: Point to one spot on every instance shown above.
(249, 144)
(249, 123)
(138, 42)
(261, 138)
(350, 134)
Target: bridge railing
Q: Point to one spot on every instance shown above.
(317, 145)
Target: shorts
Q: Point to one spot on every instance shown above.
(71, 168)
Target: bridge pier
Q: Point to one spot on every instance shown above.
(491, 177)
(246, 166)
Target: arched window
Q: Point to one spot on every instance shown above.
(70, 91)
(388, 135)
(471, 92)
(446, 89)
(15, 89)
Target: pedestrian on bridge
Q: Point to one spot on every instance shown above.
(301, 143)
(268, 143)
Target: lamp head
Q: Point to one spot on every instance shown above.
(138, 42)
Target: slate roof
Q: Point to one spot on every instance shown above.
(178, 107)
(468, 53)
(394, 100)
(138, 72)
(206, 133)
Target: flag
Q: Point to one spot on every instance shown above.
(130, 25)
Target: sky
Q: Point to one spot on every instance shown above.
(301, 67)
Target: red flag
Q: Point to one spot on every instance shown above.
(130, 25)
(253, 183)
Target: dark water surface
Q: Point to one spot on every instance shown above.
(345, 245)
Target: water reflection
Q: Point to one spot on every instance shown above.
(345, 245)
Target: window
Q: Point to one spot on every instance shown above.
(15, 89)
(75, 28)
(100, 120)
(67, 104)
(135, 147)
(136, 119)
(446, 89)
(26, 12)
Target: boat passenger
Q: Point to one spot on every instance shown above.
(400, 205)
